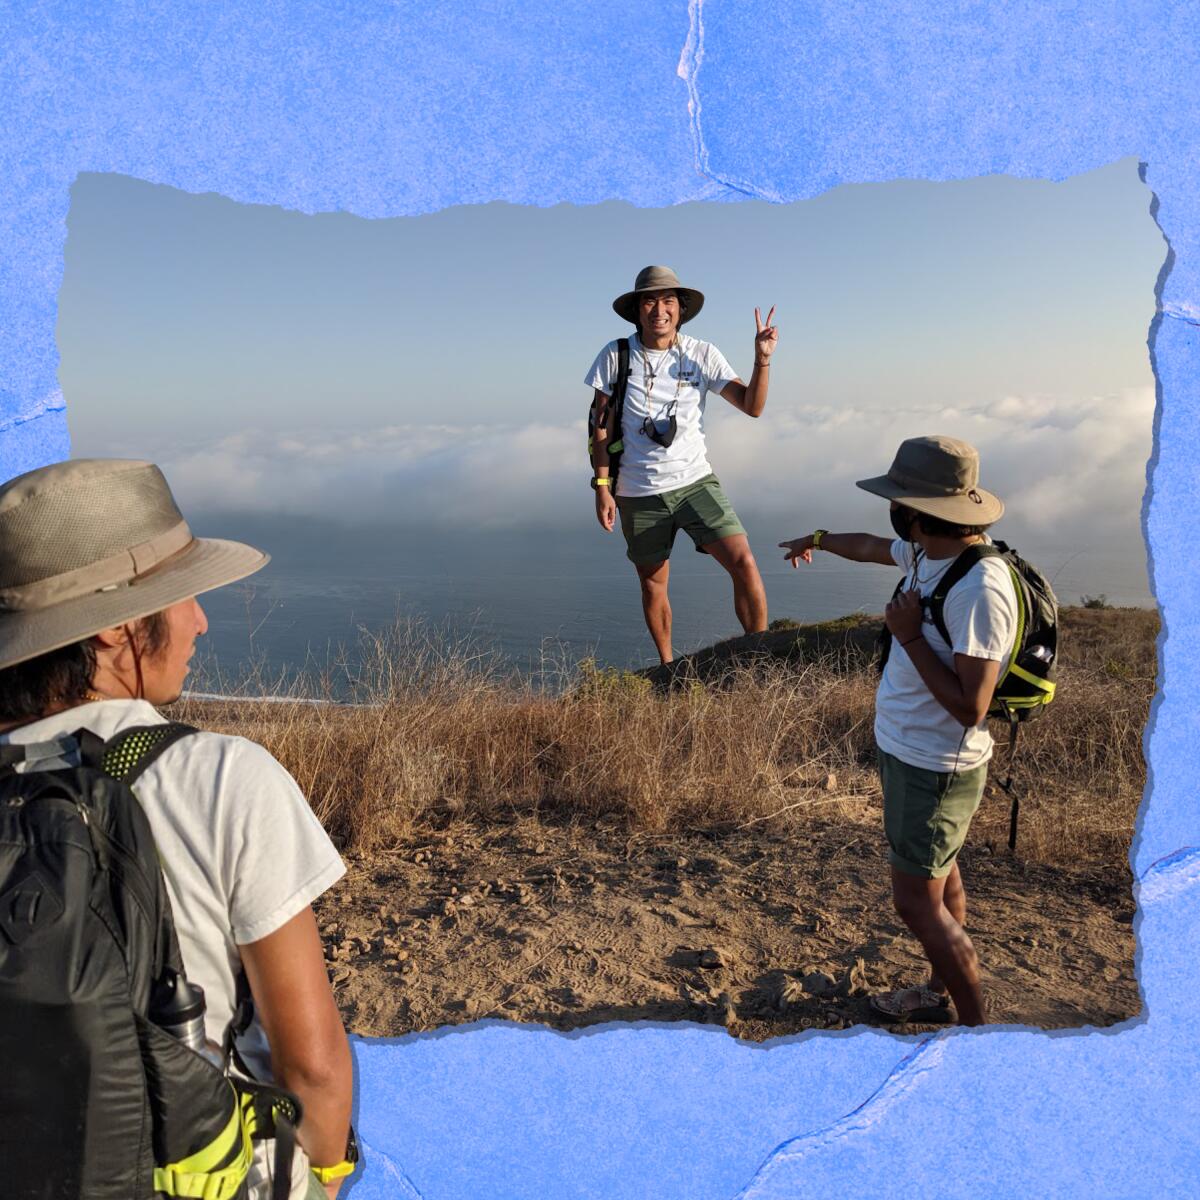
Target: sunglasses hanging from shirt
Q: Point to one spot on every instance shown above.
(650, 426)
(664, 437)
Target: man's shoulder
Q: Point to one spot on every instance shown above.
(992, 568)
(207, 750)
(987, 582)
(212, 776)
(695, 347)
(605, 360)
(708, 355)
(199, 747)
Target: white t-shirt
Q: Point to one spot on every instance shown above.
(241, 850)
(688, 371)
(981, 616)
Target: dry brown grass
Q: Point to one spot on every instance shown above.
(439, 735)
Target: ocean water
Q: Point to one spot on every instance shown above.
(535, 601)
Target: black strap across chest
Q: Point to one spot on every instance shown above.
(936, 600)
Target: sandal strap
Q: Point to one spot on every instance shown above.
(925, 996)
(930, 998)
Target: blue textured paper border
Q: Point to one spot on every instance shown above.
(398, 108)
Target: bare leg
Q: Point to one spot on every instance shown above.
(919, 903)
(954, 897)
(656, 606)
(749, 596)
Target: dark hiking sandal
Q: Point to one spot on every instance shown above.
(673, 676)
(924, 1006)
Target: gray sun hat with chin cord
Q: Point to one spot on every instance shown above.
(940, 476)
(657, 279)
(90, 544)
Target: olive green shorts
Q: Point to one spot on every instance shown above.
(926, 814)
(701, 510)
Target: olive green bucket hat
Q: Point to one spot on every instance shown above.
(658, 279)
(93, 543)
(939, 476)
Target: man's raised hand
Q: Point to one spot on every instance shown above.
(904, 615)
(766, 338)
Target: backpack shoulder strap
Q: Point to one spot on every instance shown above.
(957, 571)
(131, 751)
(622, 370)
(884, 640)
(618, 404)
(124, 757)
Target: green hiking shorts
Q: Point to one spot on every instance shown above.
(650, 523)
(926, 814)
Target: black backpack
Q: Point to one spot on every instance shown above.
(98, 1102)
(598, 414)
(1028, 685)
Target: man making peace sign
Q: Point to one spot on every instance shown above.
(665, 482)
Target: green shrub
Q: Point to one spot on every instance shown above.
(611, 683)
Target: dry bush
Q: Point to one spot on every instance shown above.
(437, 731)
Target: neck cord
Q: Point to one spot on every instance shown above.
(650, 374)
(918, 554)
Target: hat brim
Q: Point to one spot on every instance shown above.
(205, 564)
(626, 306)
(958, 510)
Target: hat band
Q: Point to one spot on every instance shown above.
(121, 568)
(926, 487)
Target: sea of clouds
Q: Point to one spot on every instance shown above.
(1068, 469)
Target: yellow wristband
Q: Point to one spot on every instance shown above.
(337, 1171)
(603, 481)
(818, 534)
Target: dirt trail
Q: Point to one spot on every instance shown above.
(767, 933)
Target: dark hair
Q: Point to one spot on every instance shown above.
(62, 677)
(936, 527)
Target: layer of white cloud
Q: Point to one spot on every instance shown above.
(1076, 465)
(1066, 468)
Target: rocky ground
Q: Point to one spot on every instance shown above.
(765, 930)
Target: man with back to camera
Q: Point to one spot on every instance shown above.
(665, 482)
(98, 622)
(931, 704)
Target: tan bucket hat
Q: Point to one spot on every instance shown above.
(657, 279)
(939, 476)
(92, 543)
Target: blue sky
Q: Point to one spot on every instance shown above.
(428, 369)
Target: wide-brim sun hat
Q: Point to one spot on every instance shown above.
(940, 476)
(657, 279)
(90, 544)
